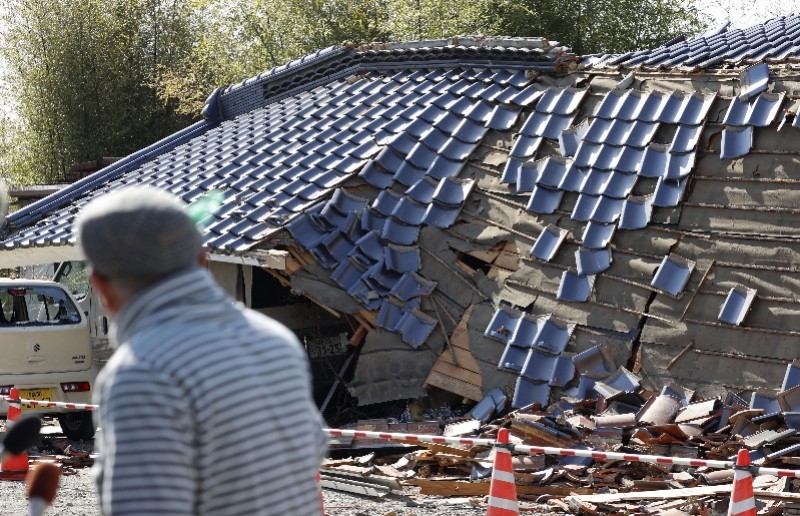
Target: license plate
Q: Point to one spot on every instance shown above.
(35, 394)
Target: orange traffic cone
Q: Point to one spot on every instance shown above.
(15, 467)
(503, 489)
(321, 501)
(742, 501)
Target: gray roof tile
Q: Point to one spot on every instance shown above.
(503, 324)
(561, 101)
(528, 393)
(736, 142)
(574, 287)
(597, 235)
(592, 261)
(636, 212)
(544, 200)
(669, 192)
(673, 274)
(548, 242)
(736, 305)
(415, 326)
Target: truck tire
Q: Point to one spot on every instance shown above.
(77, 426)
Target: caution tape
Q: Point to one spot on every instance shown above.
(565, 452)
(438, 439)
(56, 404)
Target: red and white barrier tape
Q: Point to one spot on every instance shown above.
(566, 452)
(57, 404)
(439, 439)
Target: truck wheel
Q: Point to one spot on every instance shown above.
(77, 426)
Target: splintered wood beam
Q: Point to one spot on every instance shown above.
(460, 488)
(358, 336)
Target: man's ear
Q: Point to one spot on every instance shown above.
(202, 259)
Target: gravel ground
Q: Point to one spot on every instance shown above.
(76, 497)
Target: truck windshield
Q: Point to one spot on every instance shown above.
(25, 305)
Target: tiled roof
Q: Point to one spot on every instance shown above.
(585, 215)
(775, 40)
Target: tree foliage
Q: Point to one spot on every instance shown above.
(81, 74)
(107, 77)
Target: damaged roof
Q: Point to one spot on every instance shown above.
(497, 212)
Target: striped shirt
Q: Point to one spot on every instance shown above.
(205, 408)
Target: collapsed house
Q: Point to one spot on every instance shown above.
(497, 215)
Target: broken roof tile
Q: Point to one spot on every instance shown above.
(595, 360)
(736, 305)
(753, 80)
(673, 274)
(347, 273)
(416, 326)
(592, 261)
(527, 393)
(548, 242)
(411, 285)
(620, 381)
(575, 287)
(553, 335)
(766, 401)
(792, 377)
(503, 324)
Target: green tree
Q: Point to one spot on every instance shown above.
(81, 76)
(598, 26)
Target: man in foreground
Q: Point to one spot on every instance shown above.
(205, 406)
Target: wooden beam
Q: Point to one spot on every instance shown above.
(461, 488)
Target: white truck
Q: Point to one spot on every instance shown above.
(46, 351)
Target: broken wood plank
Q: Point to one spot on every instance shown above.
(447, 450)
(461, 488)
(449, 384)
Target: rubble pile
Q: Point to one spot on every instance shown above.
(621, 417)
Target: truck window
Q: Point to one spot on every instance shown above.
(73, 276)
(27, 305)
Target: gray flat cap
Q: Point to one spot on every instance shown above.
(137, 232)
